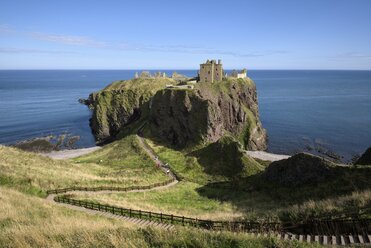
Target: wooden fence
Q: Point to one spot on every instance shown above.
(236, 226)
(314, 227)
(106, 188)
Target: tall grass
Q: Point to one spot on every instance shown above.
(123, 163)
(28, 221)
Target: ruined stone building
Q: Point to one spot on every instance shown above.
(211, 71)
(239, 74)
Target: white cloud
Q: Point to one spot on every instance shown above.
(68, 39)
(31, 50)
(351, 55)
(5, 28)
(73, 40)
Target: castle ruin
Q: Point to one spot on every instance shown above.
(211, 71)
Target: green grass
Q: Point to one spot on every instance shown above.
(208, 191)
(181, 199)
(28, 221)
(202, 165)
(186, 167)
(122, 163)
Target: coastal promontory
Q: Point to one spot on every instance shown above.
(180, 111)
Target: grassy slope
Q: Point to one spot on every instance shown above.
(181, 199)
(121, 163)
(198, 195)
(219, 161)
(28, 221)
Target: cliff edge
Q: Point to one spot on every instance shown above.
(180, 116)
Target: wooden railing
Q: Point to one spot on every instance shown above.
(314, 227)
(106, 188)
(240, 226)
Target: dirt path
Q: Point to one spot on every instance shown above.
(151, 154)
(344, 240)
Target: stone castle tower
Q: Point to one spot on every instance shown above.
(211, 71)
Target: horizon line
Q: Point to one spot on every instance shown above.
(169, 69)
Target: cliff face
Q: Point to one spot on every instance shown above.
(121, 103)
(206, 113)
(181, 117)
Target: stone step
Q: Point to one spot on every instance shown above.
(316, 238)
(286, 237)
(351, 239)
(301, 238)
(309, 239)
(361, 240)
(326, 240)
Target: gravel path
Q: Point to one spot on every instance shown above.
(345, 240)
(78, 152)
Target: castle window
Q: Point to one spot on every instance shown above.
(208, 72)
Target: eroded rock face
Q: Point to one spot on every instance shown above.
(365, 159)
(299, 169)
(180, 117)
(205, 114)
(121, 104)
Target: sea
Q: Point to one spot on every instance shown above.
(302, 110)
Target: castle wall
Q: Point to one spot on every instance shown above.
(211, 72)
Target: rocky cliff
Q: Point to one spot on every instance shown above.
(206, 113)
(121, 104)
(181, 117)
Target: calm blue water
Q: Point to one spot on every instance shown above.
(331, 109)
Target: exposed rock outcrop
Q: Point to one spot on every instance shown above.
(122, 103)
(365, 159)
(299, 169)
(205, 114)
(181, 117)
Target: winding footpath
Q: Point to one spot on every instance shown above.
(344, 240)
(138, 221)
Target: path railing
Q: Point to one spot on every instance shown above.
(340, 226)
(315, 227)
(236, 226)
(107, 188)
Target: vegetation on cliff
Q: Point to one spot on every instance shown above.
(122, 103)
(180, 117)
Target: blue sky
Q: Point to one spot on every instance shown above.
(285, 34)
